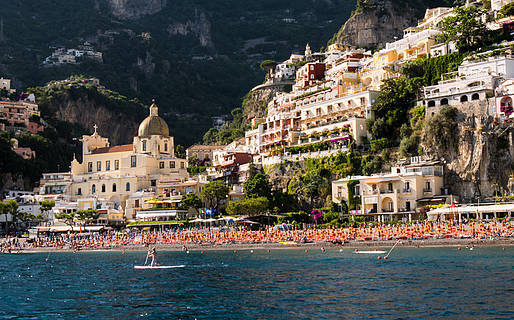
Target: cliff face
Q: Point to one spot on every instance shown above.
(480, 160)
(379, 21)
(257, 101)
(375, 27)
(119, 127)
(199, 27)
(133, 9)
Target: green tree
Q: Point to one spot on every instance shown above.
(191, 200)
(9, 209)
(440, 131)
(379, 144)
(465, 28)
(258, 186)
(330, 216)
(409, 145)
(268, 65)
(283, 201)
(316, 184)
(67, 217)
(214, 192)
(507, 10)
(180, 151)
(250, 206)
(46, 205)
(86, 216)
(396, 97)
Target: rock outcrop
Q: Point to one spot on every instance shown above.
(119, 127)
(133, 9)
(199, 27)
(375, 27)
(257, 100)
(379, 21)
(479, 158)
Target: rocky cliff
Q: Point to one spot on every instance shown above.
(199, 27)
(377, 22)
(133, 9)
(84, 102)
(119, 127)
(478, 152)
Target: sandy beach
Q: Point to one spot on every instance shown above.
(278, 246)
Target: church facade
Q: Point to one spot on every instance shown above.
(113, 173)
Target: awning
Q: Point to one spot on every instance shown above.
(158, 213)
(69, 228)
(433, 199)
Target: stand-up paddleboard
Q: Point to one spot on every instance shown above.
(371, 252)
(159, 267)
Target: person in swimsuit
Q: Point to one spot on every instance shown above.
(151, 254)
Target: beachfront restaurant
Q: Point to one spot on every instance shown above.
(484, 211)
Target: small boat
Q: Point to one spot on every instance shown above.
(370, 252)
(159, 267)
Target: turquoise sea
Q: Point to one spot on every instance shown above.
(415, 283)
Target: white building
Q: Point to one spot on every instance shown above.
(474, 81)
(498, 4)
(285, 70)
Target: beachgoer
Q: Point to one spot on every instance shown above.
(151, 254)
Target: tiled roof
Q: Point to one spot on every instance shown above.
(122, 148)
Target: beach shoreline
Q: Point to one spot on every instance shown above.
(425, 243)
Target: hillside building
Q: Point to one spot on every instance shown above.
(389, 196)
(475, 80)
(498, 4)
(204, 153)
(16, 115)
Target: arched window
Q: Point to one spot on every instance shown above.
(464, 99)
(114, 187)
(475, 96)
(444, 102)
(93, 188)
(506, 106)
(144, 145)
(431, 103)
(506, 102)
(103, 187)
(127, 186)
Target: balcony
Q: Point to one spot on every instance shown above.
(455, 91)
(425, 190)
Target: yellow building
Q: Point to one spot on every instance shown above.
(389, 196)
(114, 173)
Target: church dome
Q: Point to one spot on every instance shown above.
(153, 124)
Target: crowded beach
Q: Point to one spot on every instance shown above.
(427, 234)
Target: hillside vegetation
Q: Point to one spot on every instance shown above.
(197, 58)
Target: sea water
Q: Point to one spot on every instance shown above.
(414, 283)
